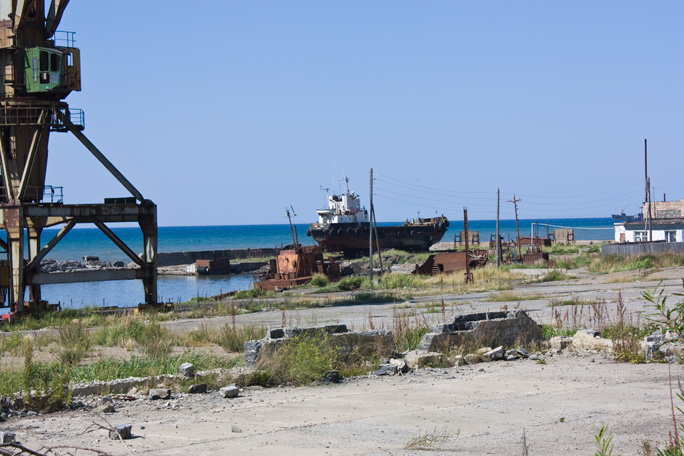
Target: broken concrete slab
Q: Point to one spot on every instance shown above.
(482, 329)
(344, 342)
(422, 358)
(495, 354)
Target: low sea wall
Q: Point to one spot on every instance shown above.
(175, 258)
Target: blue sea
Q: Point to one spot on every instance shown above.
(90, 241)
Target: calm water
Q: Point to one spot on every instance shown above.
(90, 241)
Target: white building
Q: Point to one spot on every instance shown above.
(666, 229)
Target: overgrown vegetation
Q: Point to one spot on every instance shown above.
(305, 359)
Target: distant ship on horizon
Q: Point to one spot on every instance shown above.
(622, 217)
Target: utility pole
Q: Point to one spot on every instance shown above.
(515, 202)
(370, 230)
(498, 239)
(647, 194)
(468, 276)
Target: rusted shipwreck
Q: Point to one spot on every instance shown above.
(453, 261)
(296, 265)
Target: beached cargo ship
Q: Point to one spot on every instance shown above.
(344, 227)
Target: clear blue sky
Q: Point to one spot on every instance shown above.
(226, 112)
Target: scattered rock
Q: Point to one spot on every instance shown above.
(234, 428)
(386, 369)
(229, 391)
(495, 354)
(200, 388)
(122, 431)
(402, 365)
(109, 408)
(560, 343)
(187, 370)
(421, 358)
(472, 358)
(159, 393)
(332, 376)
(524, 353)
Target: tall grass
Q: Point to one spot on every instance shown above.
(232, 340)
(74, 339)
(149, 336)
(304, 359)
(408, 334)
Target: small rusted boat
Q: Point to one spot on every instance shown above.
(296, 265)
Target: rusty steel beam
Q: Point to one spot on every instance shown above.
(99, 155)
(33, 152)
(119, 243)
(33, 264)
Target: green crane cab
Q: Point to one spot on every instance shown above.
(55, 70)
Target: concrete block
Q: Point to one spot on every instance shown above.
(229, 391)
(122, 431)
(187, 370)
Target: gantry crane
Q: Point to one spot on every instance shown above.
(41, 67)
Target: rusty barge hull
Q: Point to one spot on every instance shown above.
(354, 237)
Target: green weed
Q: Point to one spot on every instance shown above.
(428, 440)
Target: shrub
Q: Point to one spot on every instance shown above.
(319, 280)
(75, 343)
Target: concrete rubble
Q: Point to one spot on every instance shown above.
(483, 329)
(364, 343)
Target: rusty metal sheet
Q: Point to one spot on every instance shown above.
(452, 261)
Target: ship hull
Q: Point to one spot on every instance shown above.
(354, 237)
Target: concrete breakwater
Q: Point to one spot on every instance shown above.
(176, 258)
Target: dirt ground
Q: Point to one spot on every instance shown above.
(485, 408)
